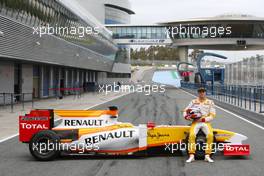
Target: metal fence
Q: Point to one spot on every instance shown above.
(244, 96)
(12, 99)
(249, 71)
(76, 91)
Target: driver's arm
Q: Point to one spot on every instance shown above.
(211, 115)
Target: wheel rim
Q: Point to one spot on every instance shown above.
(45, 146)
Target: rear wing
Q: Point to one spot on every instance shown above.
(34, 122)
(41, 119)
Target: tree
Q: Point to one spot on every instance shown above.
(194, 54)
(155, 52)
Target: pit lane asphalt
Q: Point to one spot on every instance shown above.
(137, 108)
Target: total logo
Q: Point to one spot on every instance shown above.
(236, 150)
(34, 126)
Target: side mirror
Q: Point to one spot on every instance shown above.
(113, 108)
(114, 111)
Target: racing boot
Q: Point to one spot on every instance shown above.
(191, 158)
(208, 159)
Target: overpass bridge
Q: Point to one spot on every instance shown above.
(140, 34)
(224, 32)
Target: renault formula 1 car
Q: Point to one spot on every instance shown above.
(98, 132)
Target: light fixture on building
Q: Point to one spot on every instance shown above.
(77, 55)
(38, 43)
(1, 34)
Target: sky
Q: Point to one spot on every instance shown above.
(154, 11)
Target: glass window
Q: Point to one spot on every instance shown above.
(144, 30)
(159, 32)
(149, 35)
(148, 30)
(129, 30)
(134, 30)
(118, 30)
(113, 29)
(139, 30)
(154, 35)
(153, 30)
(124, 29)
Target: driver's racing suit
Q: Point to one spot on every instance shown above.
(207, 108)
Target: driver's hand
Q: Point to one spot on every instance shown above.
(193, 116)
(200, 120)
(188, 117)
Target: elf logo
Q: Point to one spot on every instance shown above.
(34, 126)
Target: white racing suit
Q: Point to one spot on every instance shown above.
(207, 108)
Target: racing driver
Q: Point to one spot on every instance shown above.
(207, 113)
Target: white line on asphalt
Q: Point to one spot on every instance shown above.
(15, 135)
(10, 137)
(248, 121)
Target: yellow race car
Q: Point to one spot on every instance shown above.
(98, 132)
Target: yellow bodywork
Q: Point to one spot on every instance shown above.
(84, 131)
(156, 136)
(161, 135)
(84, 113)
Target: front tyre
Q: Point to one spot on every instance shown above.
(44, 145)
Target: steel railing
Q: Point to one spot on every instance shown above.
(244, 96)
(13, 99)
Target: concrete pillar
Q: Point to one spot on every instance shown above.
(59, 78)
(51, 80)
(41, 81)
(96, 77)
(90, 76)
(77, 76)
(82, 75)
(73, 80)
(262, 71)
(86, 77)
(183, 53)
(101, 77)
(66, 80)
(27, 80)
(93, 78)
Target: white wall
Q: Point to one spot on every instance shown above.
(6, 77)
(102, 77)
(95, 7)
(121, 68)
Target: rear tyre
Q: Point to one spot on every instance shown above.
(44, 145)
